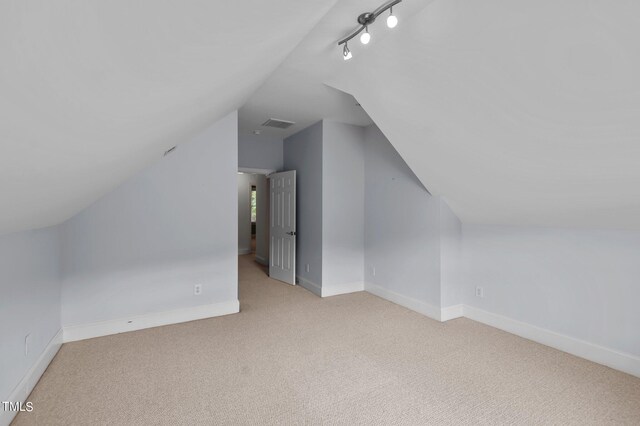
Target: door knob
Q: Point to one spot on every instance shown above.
(291, 233)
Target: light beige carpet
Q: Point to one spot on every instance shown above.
(290, 357)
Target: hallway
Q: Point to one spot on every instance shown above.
(290, 356)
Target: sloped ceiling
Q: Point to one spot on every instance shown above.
(296, 91)
(517, 112)
(92, 91)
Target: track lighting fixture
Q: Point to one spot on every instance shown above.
(365, 20)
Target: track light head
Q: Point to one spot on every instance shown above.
(365, 38)
(346, 53)
(392, 20)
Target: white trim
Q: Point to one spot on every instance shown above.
(335, 290)
(242, 252)
(423, 308)
(311, 286)
(105, 328)
(621, 361)
(261, 260)
(256, 171)
(617, 360)
(451, 312)
(29, 381)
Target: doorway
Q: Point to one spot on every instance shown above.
(267, 221)
(253, 215)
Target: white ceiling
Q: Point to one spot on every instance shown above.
(297, 92)
(92, 91)
(517, 112)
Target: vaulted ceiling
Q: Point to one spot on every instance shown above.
(297, 89)
(516, 111)
(92, 91)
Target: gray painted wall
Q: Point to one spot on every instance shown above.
(260, 152)
(450, 256)
(29, 300)
(402, 236)
(141, 248)
(303, 153)
(581, 283)
(343, 177)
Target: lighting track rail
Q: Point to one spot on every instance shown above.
(366, 19)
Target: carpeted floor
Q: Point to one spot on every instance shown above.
(290, 357)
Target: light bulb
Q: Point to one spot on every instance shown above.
(392, 21)
(346, 53)
(365, 38)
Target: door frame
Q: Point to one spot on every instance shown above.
(265, 173)
(249, 170)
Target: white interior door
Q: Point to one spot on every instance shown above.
(282, 256)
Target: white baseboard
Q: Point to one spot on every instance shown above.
(335, 290)
(611, 358)
(244, 251)
(29, 381)
(105, 328)
(621, 361)
(451, 312)
(311, 286)
(328, 290)
(261, 260)
(423, 308)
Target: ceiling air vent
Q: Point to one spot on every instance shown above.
(278, 124)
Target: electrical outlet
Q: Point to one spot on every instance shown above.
(479, 292)
(197, 289)
(307, 267)
(373, 271)
(27, 340)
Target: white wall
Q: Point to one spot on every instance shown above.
(402, 234)
(263, 153)
(450, 256)
(343, 174)
(303, 153)
(576, 290)
(141, 248)
(329, 160)
(260, 152)
(581, 283)
(30, 288)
